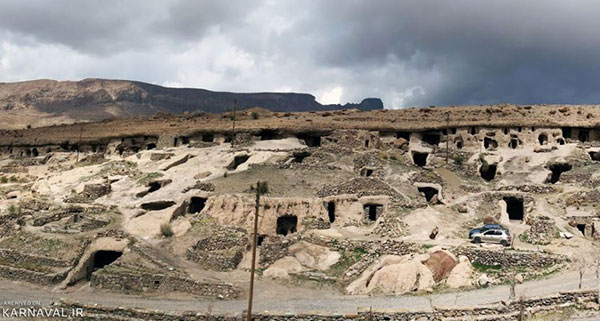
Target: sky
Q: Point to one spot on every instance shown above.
(408, 53)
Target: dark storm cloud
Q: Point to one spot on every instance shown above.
(406, 52)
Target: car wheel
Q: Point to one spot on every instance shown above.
(477, 240)
(504, 243)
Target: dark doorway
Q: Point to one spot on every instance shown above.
(489, 143)
(566, 132)
(367, 143)
(505, 130)
(34, 152)
(372, 211)
(581, 228)
(514, 142)
(300, 156)
(560, 141)
(185, 140)
(287, 224)
(472, 131)
(310, 140)
(260, 239)
(405, 135)
(514, 208)
(488, 172)
(584, 135)
(557, 169)
(595, 156)
(420, 159)
(196, 204)
(237, 161)
(267, 134)
(331, 211)
(543, 139)
(157, 206)
(101, 259)
(150, 146)
(175, 141)
(459, 142)
(431, 138)
(366, 172)
(429, 192)
(208, 138)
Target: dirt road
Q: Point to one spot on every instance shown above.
(303, 301)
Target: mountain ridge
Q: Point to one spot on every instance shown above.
(95, 99)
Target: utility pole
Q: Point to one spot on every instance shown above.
(447, 134)
(233, 128)
(79, 142)
(254, 241)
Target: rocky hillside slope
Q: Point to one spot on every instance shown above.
(46, 102)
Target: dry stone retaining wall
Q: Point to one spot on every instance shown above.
(508, 258)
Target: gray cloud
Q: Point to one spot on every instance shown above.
(406, 52)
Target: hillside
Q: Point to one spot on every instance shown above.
(47, 102)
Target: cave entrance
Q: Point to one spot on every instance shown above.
(566, 132)
(287, 224)
(175, 141)
(260, 238)
(366, 172)
(431, 138)
(428, 192)
(489, 143)
(367, 143)
(595, 156)
(310, 140)
(505, 130)
(34, 152)
(208, 138)
(543, 139)
(473, 131)
(372, 211)
(560, 141)
(459, 143)
(405, 135)
(153, 187)
(557, 169)
(267, 134)
(514, 207)
(196, 204)
(237, 161)
(185, 140)
(581, 228)
(331, 211)
(157, 206)
(584, 135)
(150, 146)
(300, 156)
(420, 158)
(101, 259)
(514, 143)
(488, 172)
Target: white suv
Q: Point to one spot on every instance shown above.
(499, 236)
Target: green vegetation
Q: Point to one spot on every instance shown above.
(458, 159)
(524, 237)
(263, 188)
(14, 210)
(254, 115)
(14, 179)
(486, 268)
(3, 179)
(347, 259)
(149, 177)
(484, 164)
(166, 230)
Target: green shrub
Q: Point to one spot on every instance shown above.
(458, 159)
(14, 179)
(166, 230)
(3, 179)
(254, 115)
(13, 210)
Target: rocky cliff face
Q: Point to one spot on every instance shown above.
(98, 99)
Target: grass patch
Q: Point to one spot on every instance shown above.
(347, 259)
(149, 177)
(486, 268)
(166, 230)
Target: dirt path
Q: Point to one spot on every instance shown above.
(302, 300)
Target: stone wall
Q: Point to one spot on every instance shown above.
(507, 311)
(13, 256)
(13, 273)
(508, 258)
(128, 281)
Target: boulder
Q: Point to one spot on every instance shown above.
(483, 281)
(282, 268)
(314, 256)
(461, 274)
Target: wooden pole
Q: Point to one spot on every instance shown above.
(233, 128)
(254, 242)
(447, 134)
(79, 142)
